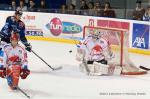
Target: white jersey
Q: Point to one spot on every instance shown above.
(95, 48)
(15, 55)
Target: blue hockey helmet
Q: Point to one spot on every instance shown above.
(18, 12)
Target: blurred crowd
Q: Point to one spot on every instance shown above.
(88, 8)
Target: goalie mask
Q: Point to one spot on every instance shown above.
(95, 34)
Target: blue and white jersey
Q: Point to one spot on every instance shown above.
(10, 26)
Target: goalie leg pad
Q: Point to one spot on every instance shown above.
(101, 68)
(94, 71)
(80, 54)
(114, 70)
(117, 70)
(82, 67)
(107, 69)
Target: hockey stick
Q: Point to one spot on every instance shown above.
(144, 68)
(57, 68)
(86, 67)
(74, 42)
(23, 92)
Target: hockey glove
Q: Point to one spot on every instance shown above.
(28, 47)
(3, 72)
(24, 73)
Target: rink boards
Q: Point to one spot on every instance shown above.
(69, 28)
(132, 50)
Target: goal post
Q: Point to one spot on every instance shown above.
(119, 44)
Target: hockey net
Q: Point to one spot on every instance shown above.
(119, 44)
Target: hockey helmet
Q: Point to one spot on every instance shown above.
(18, 12)
(15, 36)
(95, 34)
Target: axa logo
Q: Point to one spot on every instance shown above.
(56, 27)
(139, 42)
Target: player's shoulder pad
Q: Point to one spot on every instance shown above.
(7, 45)
(12, 18)
(21, 24)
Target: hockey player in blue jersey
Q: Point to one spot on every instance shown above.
(14, 24)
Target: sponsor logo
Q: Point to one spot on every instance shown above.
(139, 42)
(140, 38)
(69, 27)
(56, 27)
(37, 32)
(91, 22)
(28, 18)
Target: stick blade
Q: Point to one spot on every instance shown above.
(144, 68)
(58, 68)
(134, 73)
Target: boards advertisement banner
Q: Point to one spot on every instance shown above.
(64, 26)
(140, 38)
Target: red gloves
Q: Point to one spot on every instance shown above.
(24, 73)
(3, 72)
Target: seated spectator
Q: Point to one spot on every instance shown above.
(42, 7)
(139, 11)
(32, 6)
(108, 11)
(22, 5)
(91, 9)
(146, 16)
(13, 5)
(97, 9)
(84, 8)
(71, 9)
(63, 9)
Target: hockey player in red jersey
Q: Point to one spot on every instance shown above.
(14, 63)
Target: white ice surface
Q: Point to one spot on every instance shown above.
(70, 83)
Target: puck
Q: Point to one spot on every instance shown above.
(70, 51)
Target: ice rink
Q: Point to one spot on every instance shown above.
(69, 82)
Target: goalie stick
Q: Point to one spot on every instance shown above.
(23, 92)
(86, 67)
(144, 68)
(57, 68)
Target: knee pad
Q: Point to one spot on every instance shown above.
(9, 80)
(13, 74)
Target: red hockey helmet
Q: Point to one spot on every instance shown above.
(14, 36)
